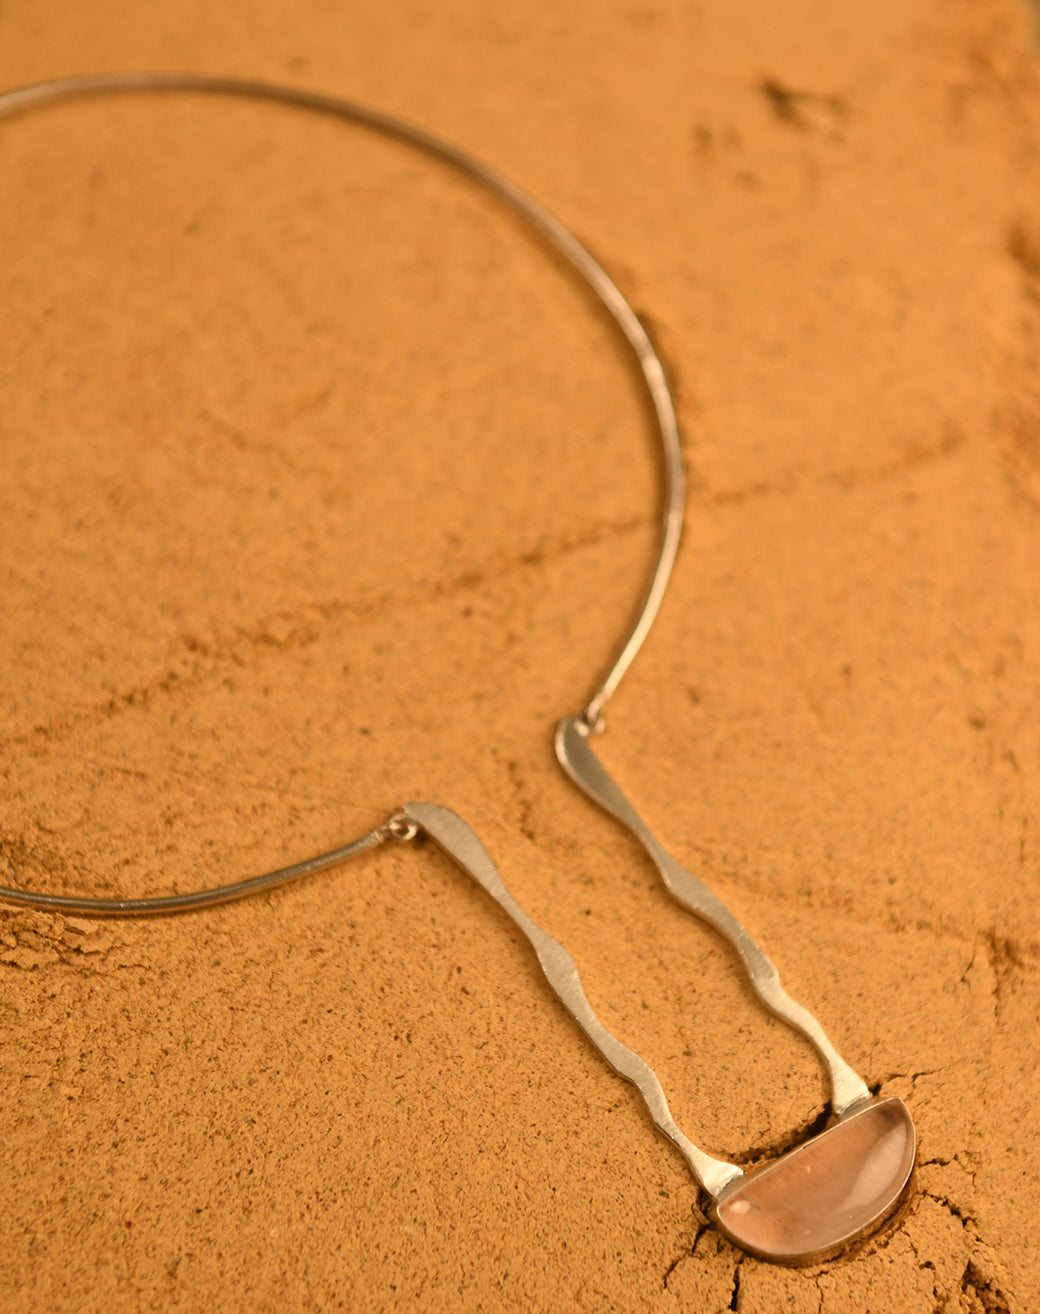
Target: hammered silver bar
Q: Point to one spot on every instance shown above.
(585, 769)
(461, 844)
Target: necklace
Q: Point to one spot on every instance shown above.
(817, 1198)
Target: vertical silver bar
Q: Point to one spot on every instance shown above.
(586, 770)
(461, 843)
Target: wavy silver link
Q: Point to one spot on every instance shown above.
(588, 773)
(462, 844)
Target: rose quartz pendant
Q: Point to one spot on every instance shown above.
(822, 1195)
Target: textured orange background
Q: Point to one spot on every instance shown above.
(323, 488)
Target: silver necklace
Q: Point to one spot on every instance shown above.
(827, 1192)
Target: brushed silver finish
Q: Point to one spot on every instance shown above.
(585, 769)
(461, 843)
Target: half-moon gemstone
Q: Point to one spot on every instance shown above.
(822, 1195)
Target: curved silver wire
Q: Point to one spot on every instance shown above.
(580, 259)
(523, 204)
(564, 242)
(152, 905)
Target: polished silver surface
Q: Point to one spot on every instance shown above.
(585, 769)
(461, 843)
(539, 218)
(176, 903)
(24, 99)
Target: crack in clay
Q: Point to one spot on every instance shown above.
(673, 1266)
(975, 1283)
(734, 1300)
(987, 1295)
(284, 631)
(30, 940)
(875, 1087)
(965, 1219)
(522, 799)
(690, 1251)
(1007, 962)
(982, 1288)
(776, 1149)
(956, 1264)
(852, 479)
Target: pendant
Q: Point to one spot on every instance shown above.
(815, 1200)
(821, 1196)
(840, 1185)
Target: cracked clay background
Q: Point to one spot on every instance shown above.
(323, 488)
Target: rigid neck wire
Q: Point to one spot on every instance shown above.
(577, 256)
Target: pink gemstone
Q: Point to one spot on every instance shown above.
(822, 1195)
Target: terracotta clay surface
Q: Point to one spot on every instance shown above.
(323, 487)
(826, 1192)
